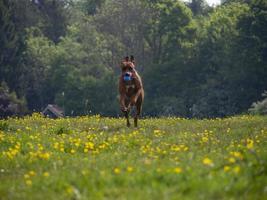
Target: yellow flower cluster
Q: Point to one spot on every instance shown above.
(174, 147)
(12, 151)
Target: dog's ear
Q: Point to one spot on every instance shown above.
(132, 58)
(127, 58)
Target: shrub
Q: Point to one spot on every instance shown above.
(259, 107)
(10, 105)
(4, 126)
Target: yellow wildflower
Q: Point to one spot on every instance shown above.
(129, 169)
(26, 176)
(32, 173)
(28, 182)
(208, 162)
(231, 160)
(46, 174)
(250, 144)
(72, 151)
(226, 168)
(236, 169)
(69, 190)
(156, 131)
(177, 170)
(237, 155)
(117, 170)
(205, 139)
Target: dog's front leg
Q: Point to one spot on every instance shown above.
(125, 109)
(122, 103)
(135, 97)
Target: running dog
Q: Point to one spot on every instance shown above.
(131, 89)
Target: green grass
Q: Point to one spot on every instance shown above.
(166, 158)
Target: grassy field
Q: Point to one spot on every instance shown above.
(166, 158)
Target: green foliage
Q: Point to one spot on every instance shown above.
(96, 96)
(90, 7)
(195, 61)
(4, 126)
(169, 29)
(10, 105)
(61, 130)
(8, 42)
(54, 15)
(198, 7)
(220, 69)
(72, 67)
(260, 107)
(124, 26)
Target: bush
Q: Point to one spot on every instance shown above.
(4, 126)
(10, 105)
(259, 107)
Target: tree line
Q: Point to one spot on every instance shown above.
(195, 60)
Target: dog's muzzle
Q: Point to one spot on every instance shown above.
(127, 77)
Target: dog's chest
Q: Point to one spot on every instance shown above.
(130, 89)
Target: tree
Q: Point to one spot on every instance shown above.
(221, 94)
(195, 61)
(123, 23)
(53, 17)
(8, 40)
(40, 55)
(70, 67)
(171, 36)
(90, 7)
(198, 7)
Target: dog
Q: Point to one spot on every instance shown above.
(130, 89)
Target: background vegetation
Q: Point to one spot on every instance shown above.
(195, 60)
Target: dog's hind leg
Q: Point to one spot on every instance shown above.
(137, 113)
(127, 112)
(127, 118)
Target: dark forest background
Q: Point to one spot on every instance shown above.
(195, 60)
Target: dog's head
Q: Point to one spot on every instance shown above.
(128, 69)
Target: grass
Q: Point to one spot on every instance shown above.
(166, 158)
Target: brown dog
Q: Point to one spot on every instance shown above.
(130, 89)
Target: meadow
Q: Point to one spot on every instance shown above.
(165, 158)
